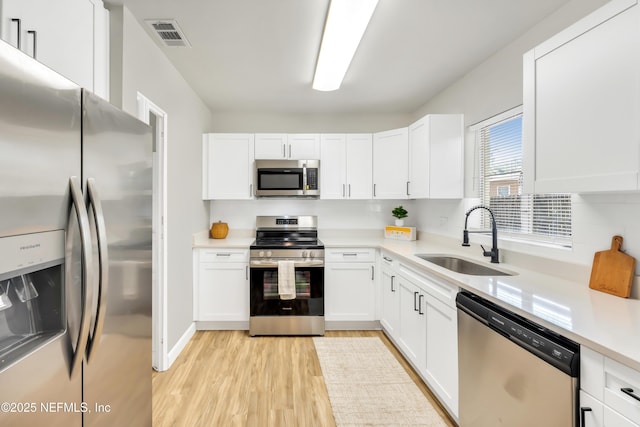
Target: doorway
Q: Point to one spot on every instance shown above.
(156, 118)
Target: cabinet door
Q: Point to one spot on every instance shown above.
(419, 162)
(223, 292)
(349, 291)
(446, 156)
(390, 302)
(359, 166)
(413, 334)
(441, 365)
(582, 103)
(303, 146)
(63, 38)
(390, 164)
(227, 166)
(11, 10)
(271, 146)
(590, 411)
(333, 167)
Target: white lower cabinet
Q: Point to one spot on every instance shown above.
(419, 315)
(609, 392)
(350, 284)
(390, 315)
(413, 325)
(221, 285)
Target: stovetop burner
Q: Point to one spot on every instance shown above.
(286, 233)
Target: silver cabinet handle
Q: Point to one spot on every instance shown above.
(343, 193)
(349, 190)
(34, 33)
(387, 258)
(87, 273)
(223, 254)
(246, 272)
(250, 190)
(420, 298)
(284, 150)
(415, 301)
(392, 280)
(349, 254)
(289, 150)
(373, 274)
(374, 190)
(103, 267)
(407, 188)
(19, 39)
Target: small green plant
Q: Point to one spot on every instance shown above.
(399, 212)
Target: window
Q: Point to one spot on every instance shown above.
(541, 217)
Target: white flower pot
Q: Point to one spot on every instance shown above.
(399, 222)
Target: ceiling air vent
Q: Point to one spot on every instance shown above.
(169, 32)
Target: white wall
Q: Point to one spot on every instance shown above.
(332, 214)
(307, 123)
(496, 86)
(138, 65)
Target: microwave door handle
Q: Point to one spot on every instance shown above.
(304, 178)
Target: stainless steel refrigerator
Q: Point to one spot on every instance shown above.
(75, 254)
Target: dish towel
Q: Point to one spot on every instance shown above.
(286, 280)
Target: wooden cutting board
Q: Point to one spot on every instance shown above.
(612, 271)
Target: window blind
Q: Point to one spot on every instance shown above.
(542, 217)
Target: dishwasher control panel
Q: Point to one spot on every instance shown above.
(525, 336)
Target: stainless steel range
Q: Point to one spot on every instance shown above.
(286, 254)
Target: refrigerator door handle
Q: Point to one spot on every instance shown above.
(87, 273)
(103, 267)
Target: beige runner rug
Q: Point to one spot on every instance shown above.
(368, 387)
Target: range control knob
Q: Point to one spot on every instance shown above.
(311, 254)
(304, 254)
(261, 254)
(269, 253)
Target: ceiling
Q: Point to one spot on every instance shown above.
(258, 56)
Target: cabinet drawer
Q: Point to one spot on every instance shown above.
(592, 416)
(223, 255)
(439, 289)
(592, 372)
(622, 389)
(613, 419)
(350, 255)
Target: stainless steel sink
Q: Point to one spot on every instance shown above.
(463, 266)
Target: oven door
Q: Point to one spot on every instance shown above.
(264, 297)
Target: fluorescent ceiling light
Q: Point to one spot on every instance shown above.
(346, 22)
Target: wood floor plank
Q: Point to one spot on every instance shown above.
(227, 378)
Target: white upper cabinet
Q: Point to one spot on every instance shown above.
(278, 146)
(436, 157)
(227, 162)
(581, 112)
(303, 146)
(270, 146)
(390, 164)
(346, 161)
(69, 36)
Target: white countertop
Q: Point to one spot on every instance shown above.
(603, 322)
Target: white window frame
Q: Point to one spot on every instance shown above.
(554, 241)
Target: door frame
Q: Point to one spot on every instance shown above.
(160, 353)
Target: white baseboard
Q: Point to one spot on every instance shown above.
(181, 344)
(352, 325)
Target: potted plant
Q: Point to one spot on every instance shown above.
(400, 213)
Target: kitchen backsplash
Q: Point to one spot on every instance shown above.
(596, 218)
(332, 214)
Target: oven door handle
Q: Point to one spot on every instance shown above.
(270, 264)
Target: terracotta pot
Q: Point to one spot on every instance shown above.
(219, 230)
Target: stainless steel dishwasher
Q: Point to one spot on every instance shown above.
(513, 372)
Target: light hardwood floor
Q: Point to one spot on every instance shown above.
(227, 378)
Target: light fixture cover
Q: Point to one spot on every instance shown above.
(347, 21)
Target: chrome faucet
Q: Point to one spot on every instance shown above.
(493, 253)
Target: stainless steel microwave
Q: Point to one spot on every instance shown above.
(287, 178)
